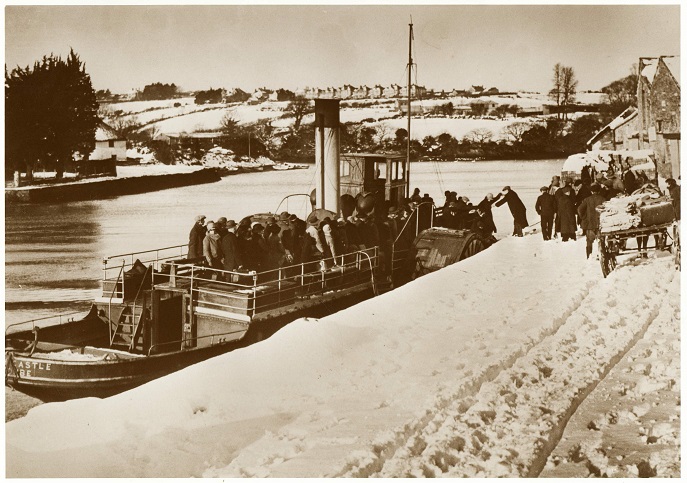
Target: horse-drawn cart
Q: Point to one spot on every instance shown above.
(613, 244)
(645, 219)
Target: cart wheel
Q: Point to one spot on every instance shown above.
(607, 260)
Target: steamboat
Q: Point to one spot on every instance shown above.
(160, 311)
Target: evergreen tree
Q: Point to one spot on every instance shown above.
(51, 113)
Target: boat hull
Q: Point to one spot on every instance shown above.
(51, 379)
(58, 380)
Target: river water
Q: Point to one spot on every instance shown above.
(54, 252)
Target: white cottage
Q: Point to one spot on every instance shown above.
(108, 145)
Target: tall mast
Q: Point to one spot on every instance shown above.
(410, 68)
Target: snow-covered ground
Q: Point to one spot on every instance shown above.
(457, 127)
(431, 379)
(186, 117)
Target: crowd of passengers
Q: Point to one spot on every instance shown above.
(288, 240)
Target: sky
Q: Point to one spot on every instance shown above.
(510, 47)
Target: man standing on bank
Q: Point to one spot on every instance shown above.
(589, 217)
(517, 209)
(546, 208)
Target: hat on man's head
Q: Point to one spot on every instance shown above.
(231, 224)
(293, 218)
(210, 225)
(257, 226)
(271, 220)
(671, 181)
(200, 217)
(222, 220)
(284, 216)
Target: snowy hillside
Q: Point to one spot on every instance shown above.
(187, 118)
(432, 379)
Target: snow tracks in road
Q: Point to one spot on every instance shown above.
(510, 422)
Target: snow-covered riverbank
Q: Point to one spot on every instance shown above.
(470, 371)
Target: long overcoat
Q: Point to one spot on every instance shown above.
(516, 206)
(195, 241)
(565, 212)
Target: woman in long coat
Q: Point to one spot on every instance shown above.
(565, 212)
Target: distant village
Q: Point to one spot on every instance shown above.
(653, 124)
(346, 92)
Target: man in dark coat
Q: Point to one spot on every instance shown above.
(196, 237)
(484, 210)
(581, 192)
(449, 217)
(674, 192)
(517, 209)
(546, 208)
(231, 260)
(565, 213)
(590, 217)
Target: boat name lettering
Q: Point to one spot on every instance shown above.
(25, 367)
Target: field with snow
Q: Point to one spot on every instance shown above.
(190, 117)
(431, 379)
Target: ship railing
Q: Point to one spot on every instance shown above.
(155, 257)
(412, 227)
(176, 343)
(109, 301)
(59, 319)
(248, 293)
(414, 224)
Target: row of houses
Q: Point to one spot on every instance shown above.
(655, 123)
(375, 92)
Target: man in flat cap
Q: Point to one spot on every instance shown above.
(196, 237)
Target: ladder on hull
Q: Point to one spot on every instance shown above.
(128, 333)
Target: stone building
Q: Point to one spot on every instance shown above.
(622, 133)
(658, 106)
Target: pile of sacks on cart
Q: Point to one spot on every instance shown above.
(645, 207)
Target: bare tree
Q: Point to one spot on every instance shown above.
(555, 94)
(298, 108)
(382, 134)
(480, 136)
(568, 89)
(126, 127)
(516, 130)
(105, 111)
(265, 133)
(229, 124)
